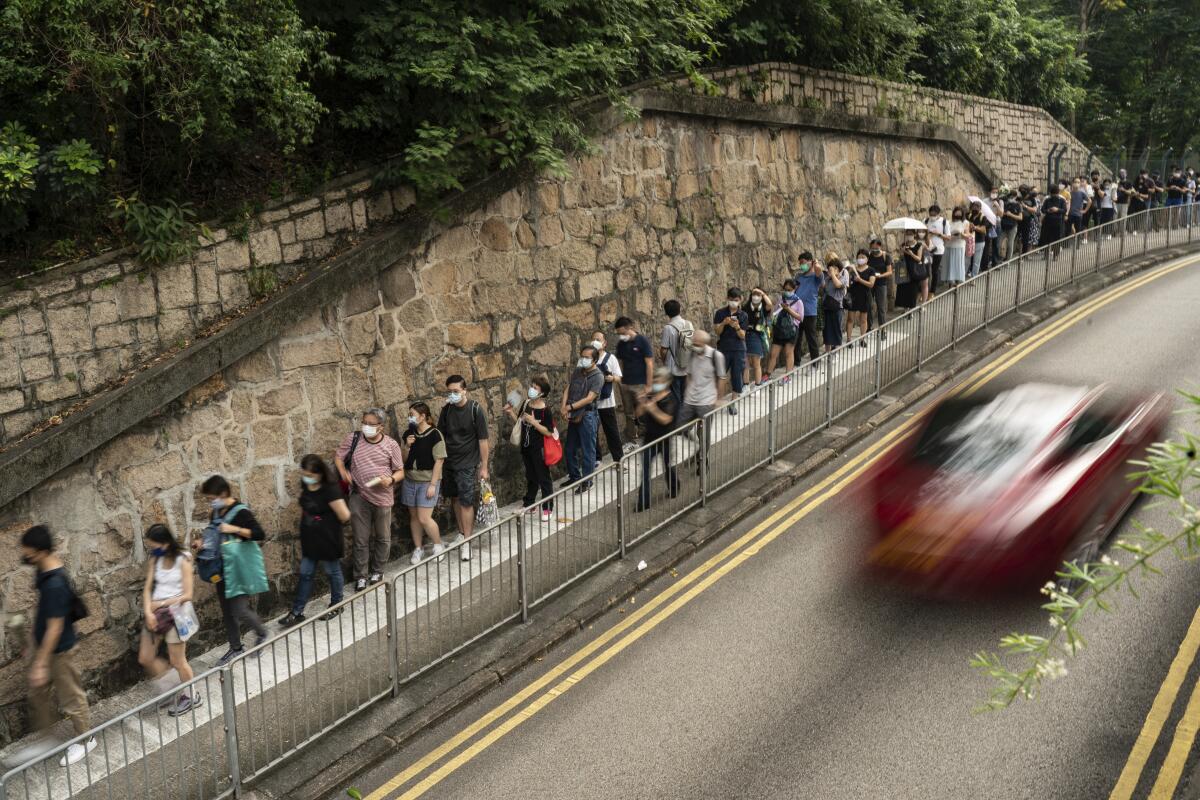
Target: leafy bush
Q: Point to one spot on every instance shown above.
(18, 165)
(161, 233)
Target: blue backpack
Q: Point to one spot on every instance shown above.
(208, 560)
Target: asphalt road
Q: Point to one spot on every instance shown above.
(791, 676)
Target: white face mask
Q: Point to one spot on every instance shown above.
(596, 343)
(585, 363)
(734, 303)
(625, 337)
(370, 431)
(412, 420)
(756, 301)
(533, 393)
(454, 397)
(862, 262)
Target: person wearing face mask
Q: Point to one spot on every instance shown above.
(323, 512)
(938, 229)
(238, 528)
(1031, 207)
(52, 672)
(732, 326)
(758, 332)
(464, 428)
(675, 346)
(862, 281)
(979, 228)
(537, 423)
(657, 410)
(168, 585)
(954, 265)
(637, 366)
(371, 464)
(1124, 190)
(1079, 208)
(833, 305)
(706, 380)
(423, 463)
(785, 330)
(606, 404)
(579, 409)
(810, 280)
(1054, 219)
(909, 286)
(881, 262)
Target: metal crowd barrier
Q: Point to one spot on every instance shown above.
(269, 703)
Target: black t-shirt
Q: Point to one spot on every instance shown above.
(420, 455)
(1176, 186)
(531, 438)
(1054, 203)
(655, 429)
(633, 355)
(1142, 186)
(859, 292)
(320, 529)
(729, 341)
(1011, 206)
(462, 429)
(979, 219)
(54, 602)
(1123, 189)
(879, 264)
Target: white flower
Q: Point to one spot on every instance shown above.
(1107, 560)
(1049, 588)
(1055, 622)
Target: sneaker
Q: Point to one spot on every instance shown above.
(360, 584)
(258, 639)
(328, 615)
(230, 655)
(184, 703)
(76, 752)
(416, 557)
(862, 342)
(629, 447)
(786, 380)
(545, 516)
(732, 410)
(583, 487)
(291, 620)
(376, 577)
(438, 550)
(465, 553)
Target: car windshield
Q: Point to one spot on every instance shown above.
(993, 436)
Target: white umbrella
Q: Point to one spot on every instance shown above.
(903, 224)
(986, 207)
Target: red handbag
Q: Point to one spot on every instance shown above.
(552, 449)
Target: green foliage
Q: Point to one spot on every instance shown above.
(1170, 474)
(162, 233)
(18, 163)
(477, 85)
(262, 280)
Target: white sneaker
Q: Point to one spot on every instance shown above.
(76, 752)
(438, 550)
(417, 555)
(545, 516)
(465, 552)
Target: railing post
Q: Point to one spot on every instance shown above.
(704, 461)
(772, 423)
(1146, 231)
(229, 719)
(622, 509)
(954, 320)
(1098, 245)
(878, 366)
(987, 297)
(828, 391)
(393, 640)
(1074, 254)
(522, 578)
(1170, 223)
(1046, 280)
(920, 337)
(1124, 230)
(1017, 291)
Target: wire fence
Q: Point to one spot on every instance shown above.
(266, 705)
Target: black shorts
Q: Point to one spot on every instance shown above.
(462, 484)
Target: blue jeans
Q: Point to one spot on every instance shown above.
(735, 362)
(308, 567)
(670, 475)
(581, 436)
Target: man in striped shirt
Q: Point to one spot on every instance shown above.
(371, 462)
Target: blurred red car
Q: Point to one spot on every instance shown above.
(996, 491)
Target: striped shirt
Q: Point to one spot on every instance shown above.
(369, 462)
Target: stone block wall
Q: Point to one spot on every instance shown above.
(670, 206)
(1015, 139)
(65, 334)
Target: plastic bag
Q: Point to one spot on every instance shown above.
(488, 512)
(186, 622)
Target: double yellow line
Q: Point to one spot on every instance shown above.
(561, 678)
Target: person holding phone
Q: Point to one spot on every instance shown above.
(423, 463)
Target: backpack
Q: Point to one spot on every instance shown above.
(785, 327)
(208, 560)
(682, 352)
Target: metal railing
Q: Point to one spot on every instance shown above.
(268, 704)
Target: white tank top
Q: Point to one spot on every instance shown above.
(168, 583)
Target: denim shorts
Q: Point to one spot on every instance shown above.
(412, 494)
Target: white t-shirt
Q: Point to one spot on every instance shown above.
(937, 229)
(613, 365)
(958, 227)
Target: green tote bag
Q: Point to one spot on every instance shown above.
(243, 567)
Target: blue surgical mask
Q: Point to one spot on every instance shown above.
(585, 363)
(533, 393)
(309, 480)
(217, 504)
(158, 552)
(789, 296)
(454, 397)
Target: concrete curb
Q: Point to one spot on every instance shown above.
(449, 688)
